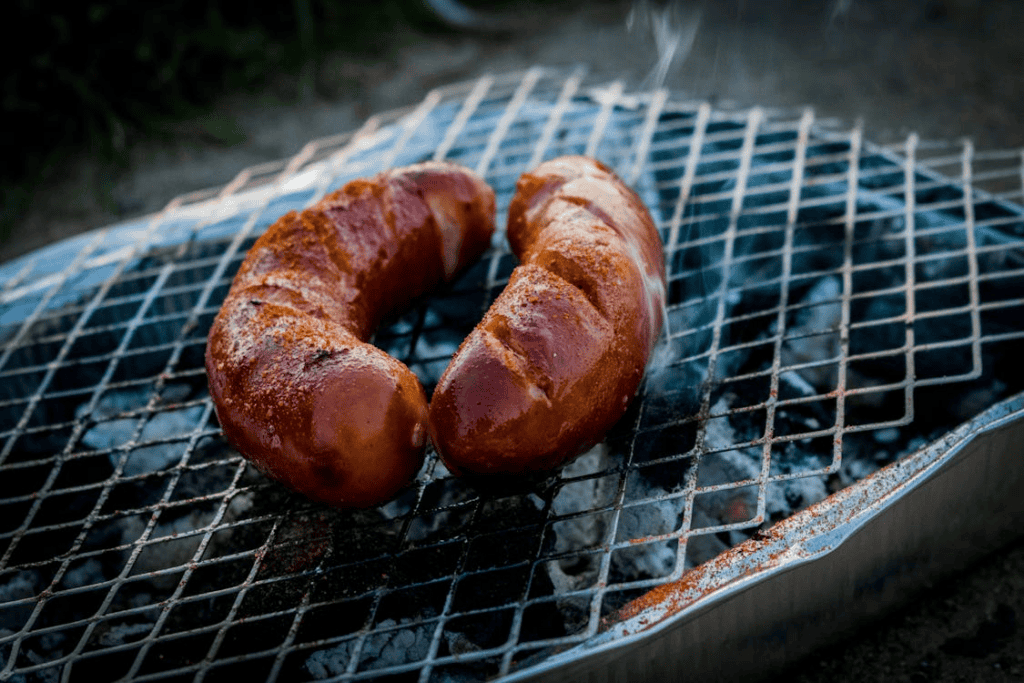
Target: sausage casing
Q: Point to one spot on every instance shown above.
(297, 388)
(561, 352)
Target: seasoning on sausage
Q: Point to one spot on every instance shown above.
(297, 388)
(560, 354)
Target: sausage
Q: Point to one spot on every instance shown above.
(296, 387)
(561, 352)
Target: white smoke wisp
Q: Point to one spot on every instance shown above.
(672, 26)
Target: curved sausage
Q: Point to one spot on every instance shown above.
(297, 388)
(561, 352)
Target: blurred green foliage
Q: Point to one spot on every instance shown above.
(94, 73)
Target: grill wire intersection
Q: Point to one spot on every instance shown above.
(834, 306)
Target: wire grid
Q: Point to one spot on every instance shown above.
(818, 284)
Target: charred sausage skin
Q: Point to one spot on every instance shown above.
(560, 354)
(296, 387)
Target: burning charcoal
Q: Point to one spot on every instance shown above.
(119, 634)
(431, 347)
(330, 662)
(739, 504)
(854, 469)
(391, 648)
(173, 542)
(444, 516)
(725, 467)
(796, 458)
(799, 493)
(792, 385)
(386, 647)
(653, 559)
(50, 647)
(168, 424)
(87, 574)
(579, 571)
(702, 547)
(672, 389)
(425, 344)
(459, 643)
(586, 531)
(17, 587)
(972, 402)
(890, 435)
(730, 505)
(814, 338)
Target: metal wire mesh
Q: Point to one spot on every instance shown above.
(824, 294)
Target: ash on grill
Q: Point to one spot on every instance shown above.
(818, 310)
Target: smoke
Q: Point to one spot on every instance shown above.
(671, 26)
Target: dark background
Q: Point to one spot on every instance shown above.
(113, 108)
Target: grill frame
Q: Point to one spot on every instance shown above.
(129, 271)
(814, 577)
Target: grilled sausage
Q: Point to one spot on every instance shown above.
(297, 388)
(559, 355)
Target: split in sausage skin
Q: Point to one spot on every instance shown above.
(297, 388)
(560, 354)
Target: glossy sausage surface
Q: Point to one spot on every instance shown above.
(297, 388)
(560, 354)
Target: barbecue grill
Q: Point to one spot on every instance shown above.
(829, 420)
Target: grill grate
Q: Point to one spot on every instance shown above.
(824, 295)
